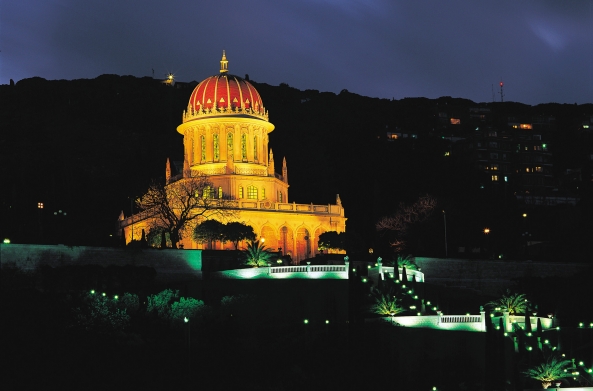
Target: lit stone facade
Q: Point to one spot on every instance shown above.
(225, 136)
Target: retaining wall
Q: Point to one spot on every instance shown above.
(490, 276)
(170, 264)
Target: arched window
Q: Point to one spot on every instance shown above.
(252, 192)
(229, 146)
(240, 191)
(207, 193)
(203, 142)
(216, 148)
(255, 147)
(244, 146)
(219, 191)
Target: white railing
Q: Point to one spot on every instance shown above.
(308, 269)
(328, 268)
(460, 319)
(288, 269)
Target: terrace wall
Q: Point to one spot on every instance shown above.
(490, 276)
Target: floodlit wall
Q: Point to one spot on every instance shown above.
(441, 322)
(463, 322)
(286, 272)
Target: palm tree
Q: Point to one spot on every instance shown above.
(257, 255)
(403, 261)
(386, 305)
(553, 369)
(514, 303)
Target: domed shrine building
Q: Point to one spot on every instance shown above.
(225, 136)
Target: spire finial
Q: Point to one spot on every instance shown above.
(224, 64)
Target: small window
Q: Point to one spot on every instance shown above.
(229, 146)
(263, 193)
(252, 192)
(537, 137)
(207, 193)
(219, 191)
(216, 147)
(537, 147)
(492, 133)
(494, 167)
(494, 156)
(203, 143)
(493, 144)
(494, 178)
(538, 169)
(244, 146)
(240, 191)
(279, 196)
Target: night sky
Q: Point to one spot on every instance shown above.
(541, 49)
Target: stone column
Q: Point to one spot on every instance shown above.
(380, 265)
(483, 318)
(507, 324)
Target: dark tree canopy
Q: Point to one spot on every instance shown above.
(332, 240)
(235, 232)
(209, 231)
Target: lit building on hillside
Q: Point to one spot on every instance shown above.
(225, 136)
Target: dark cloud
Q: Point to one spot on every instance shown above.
(541, 49)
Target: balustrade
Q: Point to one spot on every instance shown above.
(460, 319)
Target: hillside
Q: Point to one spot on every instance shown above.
(85, 146)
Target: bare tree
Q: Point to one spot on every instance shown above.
(176, 207)
(404, 218)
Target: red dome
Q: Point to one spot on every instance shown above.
(224, 91)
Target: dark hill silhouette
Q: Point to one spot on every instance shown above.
(84, 146)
